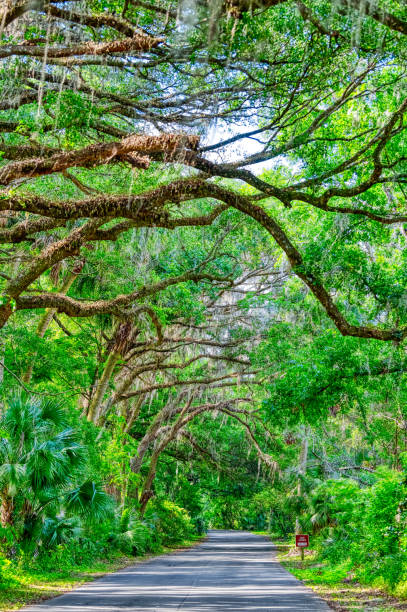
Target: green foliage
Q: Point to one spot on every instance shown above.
(171, 522)
(144, 538)
(59, 530)
(362, 528)
(40, 456)
(88, 501)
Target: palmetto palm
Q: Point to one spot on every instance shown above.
(57, 530)
(39, 457)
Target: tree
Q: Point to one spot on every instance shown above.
(300, 121)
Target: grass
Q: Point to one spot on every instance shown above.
(29, 586)
(335, 585)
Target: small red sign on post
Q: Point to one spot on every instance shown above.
(302, 541)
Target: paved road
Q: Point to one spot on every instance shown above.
(232, 571)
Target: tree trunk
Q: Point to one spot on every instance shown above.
(150, 436)
(2, 359)
(97, 399)
(147, 491)
(6, 510)
(5, 313)
(302, 468)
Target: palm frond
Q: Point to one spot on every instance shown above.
(89, 501)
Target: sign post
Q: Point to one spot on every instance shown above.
(301, 542)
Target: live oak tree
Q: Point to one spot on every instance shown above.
(145, 83)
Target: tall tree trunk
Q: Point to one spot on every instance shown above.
(302, 469)
(147, 492)
(143, 446)
(396, 450)
(122, 341)
(149, 437)
(97, 399)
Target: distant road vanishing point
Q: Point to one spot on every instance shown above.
(231, 571)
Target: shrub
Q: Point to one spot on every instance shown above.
(172, 523)
(145, 538)
(365, 526)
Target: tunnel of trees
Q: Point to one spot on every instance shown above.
(203, 280)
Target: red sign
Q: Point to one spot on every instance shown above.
(302, 541)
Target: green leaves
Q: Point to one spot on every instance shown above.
(89, 501)
(39, 456)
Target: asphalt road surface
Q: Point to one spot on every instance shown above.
(231, 571)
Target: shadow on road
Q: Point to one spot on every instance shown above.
(231, 571)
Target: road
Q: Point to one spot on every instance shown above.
(231, 571)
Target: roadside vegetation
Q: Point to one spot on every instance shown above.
(357, 551)
(341, 594)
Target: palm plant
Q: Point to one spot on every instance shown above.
(322, 512)
(58, 530)
(42, 463)
(88, 501)
(39, 457)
